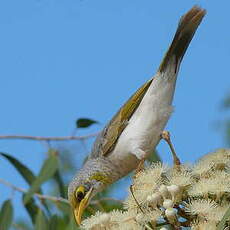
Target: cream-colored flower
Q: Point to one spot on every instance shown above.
(145, 184)
(203, 225)
(154, 216)
(149, 216)
(163, 190)
(173, 189)
(168, 203)
(157, 189)
(154, 199)
(202, 168)
(183, 179)
(170, 213)
(218, 160)
(130, 203)
(217, 184)
(219, 212)
(97, 222)
(117, 216)
(202, 208)
(116, 219)
(153, 172)
(129, 220)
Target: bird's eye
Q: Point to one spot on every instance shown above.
(80, 196)
(80, 193)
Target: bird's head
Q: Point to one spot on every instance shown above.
(79, 198)
(83, 187)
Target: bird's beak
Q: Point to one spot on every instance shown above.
(79, 208)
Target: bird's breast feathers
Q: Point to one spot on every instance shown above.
(148, 121)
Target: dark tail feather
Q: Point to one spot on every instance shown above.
(187, 27)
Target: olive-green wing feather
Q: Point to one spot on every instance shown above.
(107, 139)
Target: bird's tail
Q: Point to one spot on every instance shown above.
(187, 27)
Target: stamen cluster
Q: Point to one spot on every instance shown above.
(194, 196)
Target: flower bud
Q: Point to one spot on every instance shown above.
(170, 213)
(154, 199)
(174, 190)
(168, 203)
(164, 191)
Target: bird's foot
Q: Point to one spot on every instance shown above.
(166, 136)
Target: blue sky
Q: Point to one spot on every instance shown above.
(61, 60)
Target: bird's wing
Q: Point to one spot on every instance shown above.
(107, 139)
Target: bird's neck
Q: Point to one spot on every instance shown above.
(102, 171)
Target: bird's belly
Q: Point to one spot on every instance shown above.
(144, 128)
(137, 135)
(140, 134)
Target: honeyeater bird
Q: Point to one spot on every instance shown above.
(136, 128)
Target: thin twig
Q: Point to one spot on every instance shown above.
(41, 138)
(40, 196)
(131, 190)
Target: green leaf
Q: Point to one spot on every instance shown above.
(57, 176)
(53, 223)
(85, 122)
(60, 183)
(72, 224)
(41, 221)
(6, 215)
(31, 208)
(225, 218)
(47, 171)
(64, 208)
(25, 172)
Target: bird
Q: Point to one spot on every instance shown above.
(135, 130)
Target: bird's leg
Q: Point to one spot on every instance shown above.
(166, 136)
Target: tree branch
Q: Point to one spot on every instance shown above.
(53, 198)
(40, 138)
(40, 196)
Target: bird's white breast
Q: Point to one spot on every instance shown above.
(148, 121)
